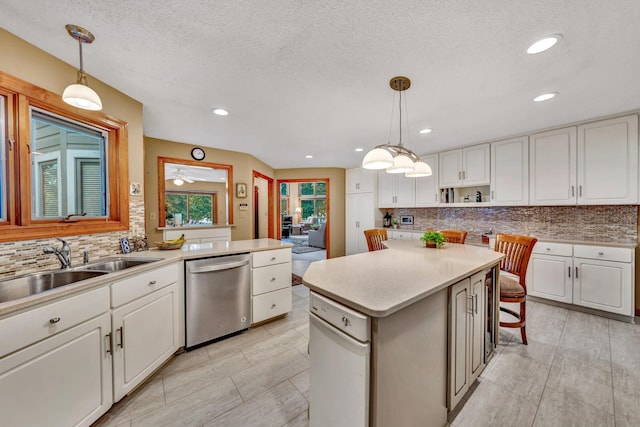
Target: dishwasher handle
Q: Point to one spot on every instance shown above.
(218, 267)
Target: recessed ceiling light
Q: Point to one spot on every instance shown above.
(220, 112)
(545, 96)
(359, 149)
(424, 131)
(308, 156)
(543, 44)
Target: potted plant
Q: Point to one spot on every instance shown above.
(433, 239)
(395, 224)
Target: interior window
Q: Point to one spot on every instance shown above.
(190, 209)
(68, 168)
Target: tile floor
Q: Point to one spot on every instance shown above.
(578, 370)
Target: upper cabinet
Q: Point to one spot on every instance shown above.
(595, 163)
(608, 162)
(396, 190)
(465, 167)
(360, 180)
(510, 172)
(427, 189)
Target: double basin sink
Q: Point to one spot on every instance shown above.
(33, 283)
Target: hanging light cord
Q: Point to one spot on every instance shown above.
(399, 148)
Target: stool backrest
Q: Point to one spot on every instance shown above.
(454, 236)
(375, 237)
(518, 250)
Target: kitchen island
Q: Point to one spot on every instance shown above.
(428, 312)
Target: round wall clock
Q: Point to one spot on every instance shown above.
(197, 153)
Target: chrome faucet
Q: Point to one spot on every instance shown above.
(63, 254)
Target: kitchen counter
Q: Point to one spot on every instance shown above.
(382, 282)
(188, 251)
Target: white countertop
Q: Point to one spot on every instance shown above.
(188, 251)
(382, 282)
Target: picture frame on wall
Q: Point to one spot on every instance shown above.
(241, 190)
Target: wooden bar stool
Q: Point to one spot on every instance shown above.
(513, 288)
(454, 236)
(375, 237)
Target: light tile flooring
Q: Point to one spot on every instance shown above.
(578, 370)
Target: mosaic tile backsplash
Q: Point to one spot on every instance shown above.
(610, 224)
(26, 256)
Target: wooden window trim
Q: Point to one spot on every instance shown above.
(21, 96)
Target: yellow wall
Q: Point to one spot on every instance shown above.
(336, 178)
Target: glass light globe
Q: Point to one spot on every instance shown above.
(420, 169)
(378, 158)
(82, 96)
(401, 164)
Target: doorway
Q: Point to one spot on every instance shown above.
(262, 206)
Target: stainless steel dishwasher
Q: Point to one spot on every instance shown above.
(217, 297)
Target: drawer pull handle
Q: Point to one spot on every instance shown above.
(273, 279)
(108, 337)
(273, 306)
(548, 249)
(600, 253)
(273, 258)
(54, 320)
(152, 282)
(120, 331)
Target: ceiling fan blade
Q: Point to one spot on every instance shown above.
(189, 180)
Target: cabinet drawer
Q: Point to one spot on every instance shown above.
(142, 284)
(271, 304)
(271, 278)
(278, 256)
(26, 328)
(605, 253)
(547, 248)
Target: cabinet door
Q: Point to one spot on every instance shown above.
(608, 162)
(352, 181)
(510, 172)
(145, 335)
(552, 167)
(405, 191)
(550, 277)
(64, 380)
(603, 285)
(351, 230)
(459, 341)
(360, 180)
(478, 327)
(386, 190)
(359, 216)
(450, 169)
(427, 189)
(476, 165)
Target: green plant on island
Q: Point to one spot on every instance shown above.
(436, 238)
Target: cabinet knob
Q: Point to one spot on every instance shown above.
(273, 306)
(273, 279)
(152, 282)
(548, 249)
(54, 320)
(273, 258)
(600, 253)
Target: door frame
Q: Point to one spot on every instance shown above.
(269, 180)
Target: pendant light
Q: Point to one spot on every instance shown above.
(397, 158)
(80, 94)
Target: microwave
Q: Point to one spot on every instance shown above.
(406, 220)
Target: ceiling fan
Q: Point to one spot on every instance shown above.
(180, 178)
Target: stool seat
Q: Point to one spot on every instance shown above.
(510, 286)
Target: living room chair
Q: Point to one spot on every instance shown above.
(317, 238)
(454, 236)
(513, 288)
(375, 237)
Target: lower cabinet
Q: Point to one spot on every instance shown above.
(64, 380)
(271, 294)
(145, 335)
(467, 319)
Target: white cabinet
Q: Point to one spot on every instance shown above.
(465, 167)
(427, 190)
(360, 180)
(608, 162)
(271, 294)
(359, 216)
(595, 163)
(145, 326)
(591, 276)
(466, 335)
(62, 380)
(510, 172)
(396, 190)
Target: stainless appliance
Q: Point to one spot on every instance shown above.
(339, 352)
(217, 297)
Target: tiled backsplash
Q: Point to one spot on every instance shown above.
(26, 256)
(612, 224)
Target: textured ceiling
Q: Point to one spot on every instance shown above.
(311, 77)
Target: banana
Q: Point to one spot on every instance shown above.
(174, 241)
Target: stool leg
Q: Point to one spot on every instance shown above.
(523, 313)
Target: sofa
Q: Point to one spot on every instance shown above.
(317, 238)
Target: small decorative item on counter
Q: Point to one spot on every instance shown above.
(386, 220)
(140, 243)
(395, 223)
(171, 244)
(433, 239)
(466, 198)
(125, 246)
(478, 197)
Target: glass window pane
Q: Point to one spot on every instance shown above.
(321, 188)
(284, 189)
(176, 209)
(284, 206)
(77, 183)
(306, 189)
(200, 209)
(308, 208)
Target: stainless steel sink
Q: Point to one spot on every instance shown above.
(34, 283)
(118, 264)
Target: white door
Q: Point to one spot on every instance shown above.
(459, 342)
(550, 277)
(510, 172)
(603, 285)
(338, 377)
(72, 371)
(478, 327)
(405, 191)
(552, 167)
(607, 162)
(145, 335)
(450, 169)
(475, 163)
(427, 190)
(386, 190)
